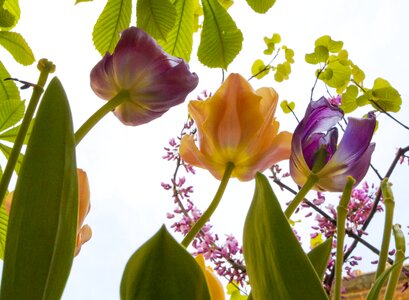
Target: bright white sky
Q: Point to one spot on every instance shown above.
(124, 164)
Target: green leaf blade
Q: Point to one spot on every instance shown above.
(277, 266)
(162, 269)
(11, 112)
(156, 17)
(43, 219)
(115, 17)
(319, 257)
(8, 88)
(14, 43)
(221, 40)
(9, 14)
(179, 41)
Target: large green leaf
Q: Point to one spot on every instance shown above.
(163, 269)
(14, 43)
(11, 112)
(43, 219)
(8, 88)
(221, 40)
(180, 39)
(261, 6)
(156, 17)
(9, 14)
(276, 264)
(115, 17)
(319, 257)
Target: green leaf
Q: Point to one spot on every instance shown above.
(282, 72)
(348, 99)
(80, 1)
(331, 45)
(319, 257)
(226, 3)
(385, 96)
(377, 286)
(259, 69)
(14, 43)
(289, 55)
(260, 6)
(287, 107)
(43, 219)
(357, 73)
(163, 269)
(156, 17)
(319, 55)
(6, 150)
(276, 264)
(180, 39)
(8, 88)
(9, 14)
(270, 43)
(11, 112)
(115, 17)
(221, 40)
(340, 76)
(4, 219)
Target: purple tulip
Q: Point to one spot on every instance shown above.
(155, 81)
(315, 149)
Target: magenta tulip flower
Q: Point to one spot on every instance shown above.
(151, 80)
(315, 150)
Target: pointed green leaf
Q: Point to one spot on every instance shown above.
(385, 96)
(220, 40)
(9, 14)
(180, 39)
(11, 134)
(115, 17)
(11, 112)
(163, 269)
(14, 43)
(276, 264)
(79, 1)
(260, 6)
(156, 17)
(6, 150)
(8, 88)
(377, 286)
(319, 257)
(43, 219)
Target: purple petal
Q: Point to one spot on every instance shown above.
(356, 139)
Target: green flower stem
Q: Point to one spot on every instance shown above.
(120, 98)
(311, 181)
(387, 229)
(46, 67)
(342, 211)
(399, 257)
(212, 207)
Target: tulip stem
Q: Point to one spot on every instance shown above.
(46, 67)
(342, 211)
(99, 114)
(312, 179)
(212, 207)
(389, 202)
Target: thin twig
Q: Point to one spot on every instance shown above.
(266, 67)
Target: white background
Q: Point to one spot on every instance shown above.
(124, 164)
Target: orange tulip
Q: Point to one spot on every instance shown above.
(84, 233)
(213, 283)
(236, 125)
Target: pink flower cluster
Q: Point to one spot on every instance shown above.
(226, 255)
